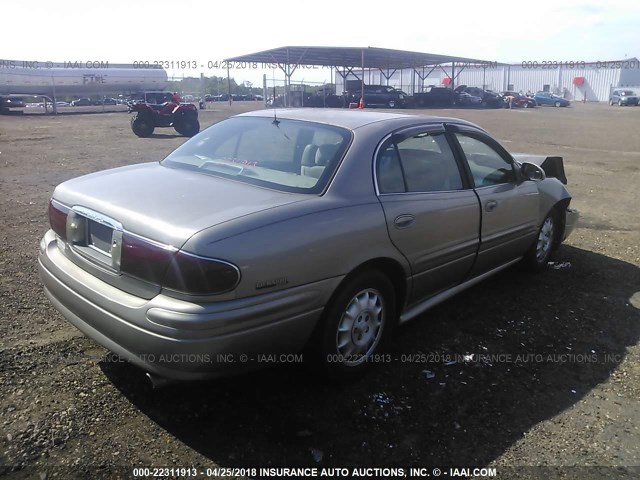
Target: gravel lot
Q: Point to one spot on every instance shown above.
(546, 370)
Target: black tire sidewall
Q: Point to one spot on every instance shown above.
(187, 125)
(135, 121)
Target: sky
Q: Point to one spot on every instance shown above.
(206, 32)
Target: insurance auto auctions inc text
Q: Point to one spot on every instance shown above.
(376, 472)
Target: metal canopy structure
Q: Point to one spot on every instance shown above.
(367, 57)
(345, 59)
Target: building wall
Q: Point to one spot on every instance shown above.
(599, 78)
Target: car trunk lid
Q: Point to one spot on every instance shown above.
(166, 205)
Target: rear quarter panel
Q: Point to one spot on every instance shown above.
(301, 250)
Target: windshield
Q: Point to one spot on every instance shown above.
(288, 155)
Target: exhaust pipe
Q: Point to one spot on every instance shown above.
(159, 382)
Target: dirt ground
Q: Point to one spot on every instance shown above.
(546, 379)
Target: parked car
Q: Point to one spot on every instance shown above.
(82, 102)
(546, 98)
(623, 97)
(433, 96)
(108, 101)
(465, 99)
(519, 100)
(265, 234)
(488, 99)
(382, 96)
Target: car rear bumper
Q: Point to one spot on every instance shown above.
(177, 339)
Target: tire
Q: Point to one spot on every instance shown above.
(619, 103)
(392, 104)
(356, 324)
(187, 125)
(611, 102)
(558, 104)
(538, 255)
(526, 105)
(141, 126)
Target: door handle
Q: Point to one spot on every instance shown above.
(404, 221)
(491, 205)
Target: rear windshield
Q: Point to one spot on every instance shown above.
(287, 155)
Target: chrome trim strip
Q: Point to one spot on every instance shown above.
(441, 297)
(60, 206)
(432, 192)
(164, 246)
(97, 217)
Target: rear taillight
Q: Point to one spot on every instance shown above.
(145, 259)
(58, 218)
(161, 264)
(197, 275)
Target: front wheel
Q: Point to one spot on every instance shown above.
(537, 257)
(526, 105)
(141, 126)
(558, 104)
(619, 103)
(356, 324)
(392, 104)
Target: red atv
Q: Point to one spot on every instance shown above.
(162, 109)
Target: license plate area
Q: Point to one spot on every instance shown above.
(100, 237)
(95, 238)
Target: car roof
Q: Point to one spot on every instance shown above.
(353, 119)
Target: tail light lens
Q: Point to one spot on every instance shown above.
(145, 259)
(176, 270)
(58, 218)
(197, 275)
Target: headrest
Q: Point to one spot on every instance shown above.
(309, 155)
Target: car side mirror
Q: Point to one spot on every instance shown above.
(531, 171)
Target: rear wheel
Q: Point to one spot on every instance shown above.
(142, 126)
(537, 257)
(356, 324)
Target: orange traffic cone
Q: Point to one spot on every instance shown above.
(361, 104)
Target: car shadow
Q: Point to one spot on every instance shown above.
(459, 387)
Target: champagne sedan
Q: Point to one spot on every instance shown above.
(276, 231)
